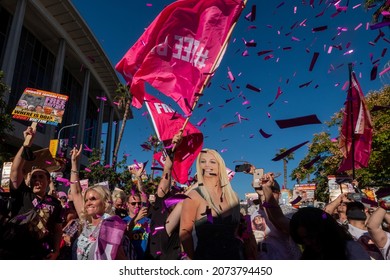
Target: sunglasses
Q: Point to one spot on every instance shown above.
(134, 203)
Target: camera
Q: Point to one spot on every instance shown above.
(246, 167)
(354, 196)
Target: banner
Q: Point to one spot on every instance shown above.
(356, 132)
(6, 177)
(306, 192)
(40, 106)
(179, 49)
(167, 123)
(338, 185)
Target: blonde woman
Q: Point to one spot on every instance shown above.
(97, 239)
(212, 209)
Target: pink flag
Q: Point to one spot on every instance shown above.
(357, 124)
(167, 123)
(178, 50)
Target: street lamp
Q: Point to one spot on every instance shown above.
(59, 134)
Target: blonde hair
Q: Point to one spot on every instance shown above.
(227, 190)
(118, 193)
(104, 195)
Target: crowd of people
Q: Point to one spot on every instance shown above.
(202, 222)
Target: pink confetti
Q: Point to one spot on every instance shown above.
(230, 74)
(86, 148)
(384, 71)
(246, 102)
(87, 169)
(245, 53)
(149, 5)
(224, 150)
(358, 26)
(62, 180)
(348, 52)
(201, 122)
(356, 6)
(345, 86)
(95, 162)
(228, 124)
(101, 98)
(268, 115)
(47, 162)
(295, 39)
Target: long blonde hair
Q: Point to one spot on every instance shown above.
(104, 195)
(227, 190)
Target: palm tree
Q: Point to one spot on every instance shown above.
(285, 161)
(384, 6)
(123, 98)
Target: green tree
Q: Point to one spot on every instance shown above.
(97, 172)
(152, 144)
(5, 122)
(384, 5)
(124, 98)
(285, 161)
(324, 157)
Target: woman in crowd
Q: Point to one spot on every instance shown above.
(213, 210)
(97, 240)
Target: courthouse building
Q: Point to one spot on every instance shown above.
(46, 45)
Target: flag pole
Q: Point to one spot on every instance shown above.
(222, 50)
(350, 66)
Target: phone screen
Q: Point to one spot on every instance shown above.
(257, 175)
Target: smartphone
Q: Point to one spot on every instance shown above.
(243, 167)
(257, 175)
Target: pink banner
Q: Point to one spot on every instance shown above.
(167, 123)
(178, 50)
(359, 127)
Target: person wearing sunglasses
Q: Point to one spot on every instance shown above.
(138, 225)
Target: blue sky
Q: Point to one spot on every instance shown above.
(286, 28)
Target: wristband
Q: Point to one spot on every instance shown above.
(27, 154)
(74, 172)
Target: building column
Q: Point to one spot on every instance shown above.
(59, 67)
(107, 157)
(11, 49)
(57, 76)
(116, 136)
(83, 106)
(100, 123)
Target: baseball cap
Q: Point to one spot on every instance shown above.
(37, 169)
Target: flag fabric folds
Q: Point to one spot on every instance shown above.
(167, 123)
(177, 51)
(356, 125)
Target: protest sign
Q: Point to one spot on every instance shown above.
(40, 106)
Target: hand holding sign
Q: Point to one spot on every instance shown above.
(29, 134)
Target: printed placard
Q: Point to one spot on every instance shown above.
(40, 106)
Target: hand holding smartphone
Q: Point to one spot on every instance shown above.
(257, 176)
